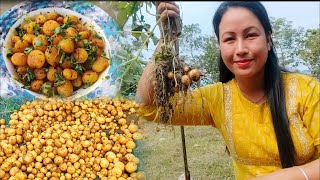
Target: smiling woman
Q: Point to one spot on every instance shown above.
(243, 43)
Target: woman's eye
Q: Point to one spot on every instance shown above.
(251, 35)
(228, 39)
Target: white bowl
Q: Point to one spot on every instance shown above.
(62, 11)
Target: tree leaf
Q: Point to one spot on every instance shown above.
(146, 27)
(122, 18)
(125, 10)
(137, 34)
(310, 52)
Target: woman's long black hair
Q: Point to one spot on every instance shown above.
(272, 79)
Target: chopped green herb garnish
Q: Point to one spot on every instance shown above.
(20, 31)
(36, 30)
(59, 79)
(97, 36)
(27, 50)
(76, 66)
(58, 30)
(30, 76)
(77, 38)
(10, 53)
(63, 56)
(38, 43)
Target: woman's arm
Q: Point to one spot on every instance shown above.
(145, 89)
(310, 170)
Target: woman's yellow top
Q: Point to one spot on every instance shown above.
(247, 127)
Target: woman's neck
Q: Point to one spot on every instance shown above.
(253, 88)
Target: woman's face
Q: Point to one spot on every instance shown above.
(243, 43)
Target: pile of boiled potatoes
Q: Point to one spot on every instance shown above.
(81, 139)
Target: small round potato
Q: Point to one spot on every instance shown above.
(74, 19)
(29, 27)
(15, 39)
(40, 73)
(71, 32)
(40, 43)
(77, 82)
(90, 77)
(52, 56)
(98, 42)
(82, 42)
(81, 27)
(66, 64)
(52, 16)
(49, 27)
(51, 73)
(29, 38)
(100, 64)
(60, 20)
(36, 85)
(70, 74)
(20, 45)
(56, 38)
(40, 19)
(36, 59)
(21, 71)
(19, 59)
(80, 55)
(67, 45)
(84, 34)
(65, 89)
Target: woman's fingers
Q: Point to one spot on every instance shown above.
(168, 9)
(168, 13)
(156, 3)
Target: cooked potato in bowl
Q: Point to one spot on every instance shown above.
(56, 51)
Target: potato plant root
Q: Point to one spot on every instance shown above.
(171, 72)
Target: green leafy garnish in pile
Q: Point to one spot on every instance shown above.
(59, 79)
(20, 31)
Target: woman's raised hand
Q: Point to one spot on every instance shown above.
(167, 9)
